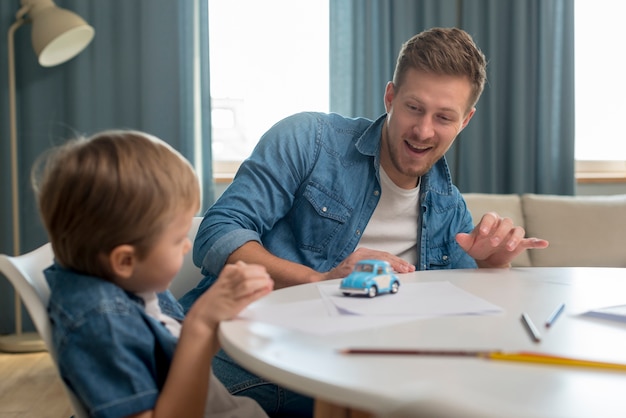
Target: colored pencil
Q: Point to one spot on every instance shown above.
(522, 356)
(532, 330)
(554, 315)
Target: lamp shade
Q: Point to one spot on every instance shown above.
(58, 34)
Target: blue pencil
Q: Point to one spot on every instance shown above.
(552, 318)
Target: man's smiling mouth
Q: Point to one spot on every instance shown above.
(417, 149)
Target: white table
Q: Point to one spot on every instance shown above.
(392, 385)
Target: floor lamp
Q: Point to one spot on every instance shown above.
(57, 36)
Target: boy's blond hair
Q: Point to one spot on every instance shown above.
(117, 187)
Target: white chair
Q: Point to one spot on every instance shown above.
(189, 275)
(25, 272)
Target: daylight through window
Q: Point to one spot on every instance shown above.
(600, 80)
(268, 59)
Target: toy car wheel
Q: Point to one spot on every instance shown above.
(346, 293)
(394, 287)
(373, 291)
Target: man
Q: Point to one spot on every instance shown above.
(321, 191)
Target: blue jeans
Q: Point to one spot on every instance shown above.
(275, 400)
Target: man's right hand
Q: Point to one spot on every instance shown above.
(286, 273)
(346, 266)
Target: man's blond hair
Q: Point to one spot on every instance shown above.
(444, 51)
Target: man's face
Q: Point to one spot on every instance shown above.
(424, 116)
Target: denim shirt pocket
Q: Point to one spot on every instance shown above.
(443, 256)
(319, 217)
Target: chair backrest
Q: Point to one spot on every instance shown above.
(189, 275)
(25, 272)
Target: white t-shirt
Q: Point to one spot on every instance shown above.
(220, 403)
(393, 225)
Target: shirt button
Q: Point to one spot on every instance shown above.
(376, 192)
(445, 258)
(324, 209)
(358, 232)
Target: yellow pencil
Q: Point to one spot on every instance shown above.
(530, 357)
(520, 356)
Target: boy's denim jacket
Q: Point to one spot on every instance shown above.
(112, 355)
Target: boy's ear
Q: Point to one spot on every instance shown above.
(122, 261)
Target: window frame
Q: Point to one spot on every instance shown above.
(600, 171)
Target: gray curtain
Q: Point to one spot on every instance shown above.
(521, 139)
(146, 69)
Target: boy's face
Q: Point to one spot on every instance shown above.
(157, 270)
(424, 116)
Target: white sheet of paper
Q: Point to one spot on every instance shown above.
(615, 313)
(334, 313)
(413, 299)
(312, 317)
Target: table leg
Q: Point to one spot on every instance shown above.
(324, 409)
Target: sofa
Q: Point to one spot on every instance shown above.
(584, 231)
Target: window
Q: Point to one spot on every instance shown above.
(269, 59)
(600, 87)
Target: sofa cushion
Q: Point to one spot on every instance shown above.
(584, 231)
(505, 205)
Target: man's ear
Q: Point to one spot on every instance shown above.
(390, 91)
(122, 261)
(467, 119)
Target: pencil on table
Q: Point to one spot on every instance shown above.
(553, 317)
(532, 330)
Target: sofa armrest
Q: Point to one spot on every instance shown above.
(584, 231)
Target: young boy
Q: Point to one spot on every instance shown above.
(117, 208)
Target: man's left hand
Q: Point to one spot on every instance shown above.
(496, 241)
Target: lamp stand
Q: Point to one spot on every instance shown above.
(20, 342)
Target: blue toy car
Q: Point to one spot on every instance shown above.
(370, 277)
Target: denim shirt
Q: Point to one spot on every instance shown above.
(308, 191)
(112, 355)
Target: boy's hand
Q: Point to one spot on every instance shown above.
(237, 286)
